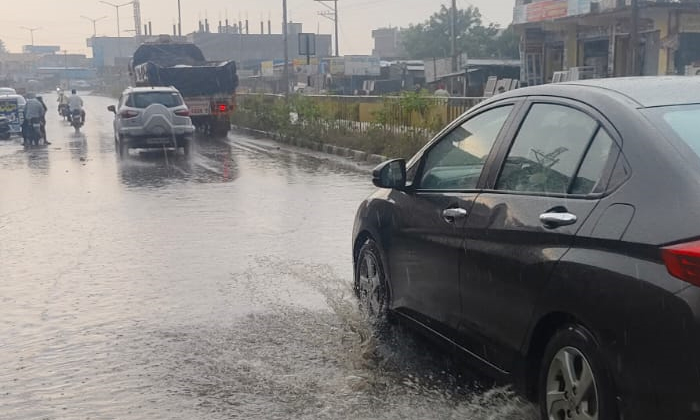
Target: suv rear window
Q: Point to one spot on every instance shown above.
(144, 99)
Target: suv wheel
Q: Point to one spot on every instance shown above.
(574, 382)
(122, 148)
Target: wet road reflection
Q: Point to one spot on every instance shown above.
(208, 287)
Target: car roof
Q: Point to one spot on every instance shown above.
(646, 92)
(151, 89)
(11, 96)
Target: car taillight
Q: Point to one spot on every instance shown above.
(129, 114)
(223, 107)
(683, 261)
(183, 113)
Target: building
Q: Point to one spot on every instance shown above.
(248, 50)
(388, 44)
(594, 38)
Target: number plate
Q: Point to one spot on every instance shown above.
(159, 140)
(199, 108)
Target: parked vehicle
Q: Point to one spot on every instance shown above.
(209, 88)
(550, 235)
(7, 91)
(12, 108)
(152, 118)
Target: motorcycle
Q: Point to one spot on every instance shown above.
(33, 135)
(64, 111)
(76, 119)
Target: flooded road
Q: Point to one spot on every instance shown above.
(209, 287)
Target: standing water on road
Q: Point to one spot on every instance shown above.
(209, 287)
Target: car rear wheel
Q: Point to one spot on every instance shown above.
(574, 382)
(370, 283)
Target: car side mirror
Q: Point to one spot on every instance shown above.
(112, 109)
(390, 174)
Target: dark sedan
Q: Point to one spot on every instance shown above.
(551, 234)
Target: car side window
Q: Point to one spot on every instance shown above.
(594, 164)
(548, 150)
(456, 161)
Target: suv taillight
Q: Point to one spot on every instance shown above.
(683, 261)
(183, 113)
(129, 114)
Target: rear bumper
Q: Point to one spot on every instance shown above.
(660, 362)
(149, 141)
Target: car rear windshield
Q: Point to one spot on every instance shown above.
(144, 99)
(682, 121)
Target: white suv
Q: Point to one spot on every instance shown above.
(152, 117)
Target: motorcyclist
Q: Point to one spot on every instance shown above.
(75, 102)
(62, 101)
(33, 112)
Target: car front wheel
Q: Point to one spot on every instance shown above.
(370, 283)
(574, 382)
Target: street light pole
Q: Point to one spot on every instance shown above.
(119, 34)
(285, 32)
(94, 23)
(31, 32)
(634, 38)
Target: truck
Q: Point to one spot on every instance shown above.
(208, 88)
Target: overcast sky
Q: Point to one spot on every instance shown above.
(61, 22)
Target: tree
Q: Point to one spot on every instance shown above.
(3, 49)
(432, 39)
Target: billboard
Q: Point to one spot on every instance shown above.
(362, 65)
(550, 10)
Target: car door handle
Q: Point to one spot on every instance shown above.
(555, 220)
(450, 215)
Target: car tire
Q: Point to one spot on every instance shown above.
(123, 148)
(371, 286)
(574, 379)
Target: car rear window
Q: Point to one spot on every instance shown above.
(682, 120)
(144, 99)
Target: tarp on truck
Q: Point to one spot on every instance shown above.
(191, 80)
(168, 54)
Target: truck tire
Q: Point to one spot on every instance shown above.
(220, 127)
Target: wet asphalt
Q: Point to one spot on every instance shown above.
(215, 286)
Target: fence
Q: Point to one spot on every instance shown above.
(396, 114)
(390, 126)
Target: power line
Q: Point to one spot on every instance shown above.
(331, 14)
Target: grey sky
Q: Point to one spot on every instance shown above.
(61, 22)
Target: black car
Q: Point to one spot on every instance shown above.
(551, 234)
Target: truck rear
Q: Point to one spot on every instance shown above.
(209, 88)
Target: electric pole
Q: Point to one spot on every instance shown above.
(453, 35)
(94, 23)
(634, 38)
(285, 31)
(332, 15)
(179, 19)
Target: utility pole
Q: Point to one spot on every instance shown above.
(179, 19)
(634, 38)
(285, 32)
(332, 15)
(94, 23)
(453, 35)
(31, 32)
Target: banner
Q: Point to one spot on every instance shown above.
(362, 65)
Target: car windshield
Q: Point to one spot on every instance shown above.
(682, 120)
(145, 99)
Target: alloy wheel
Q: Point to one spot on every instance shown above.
(572, 393)
(370, 285)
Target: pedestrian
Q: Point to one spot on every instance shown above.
(43, 120)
